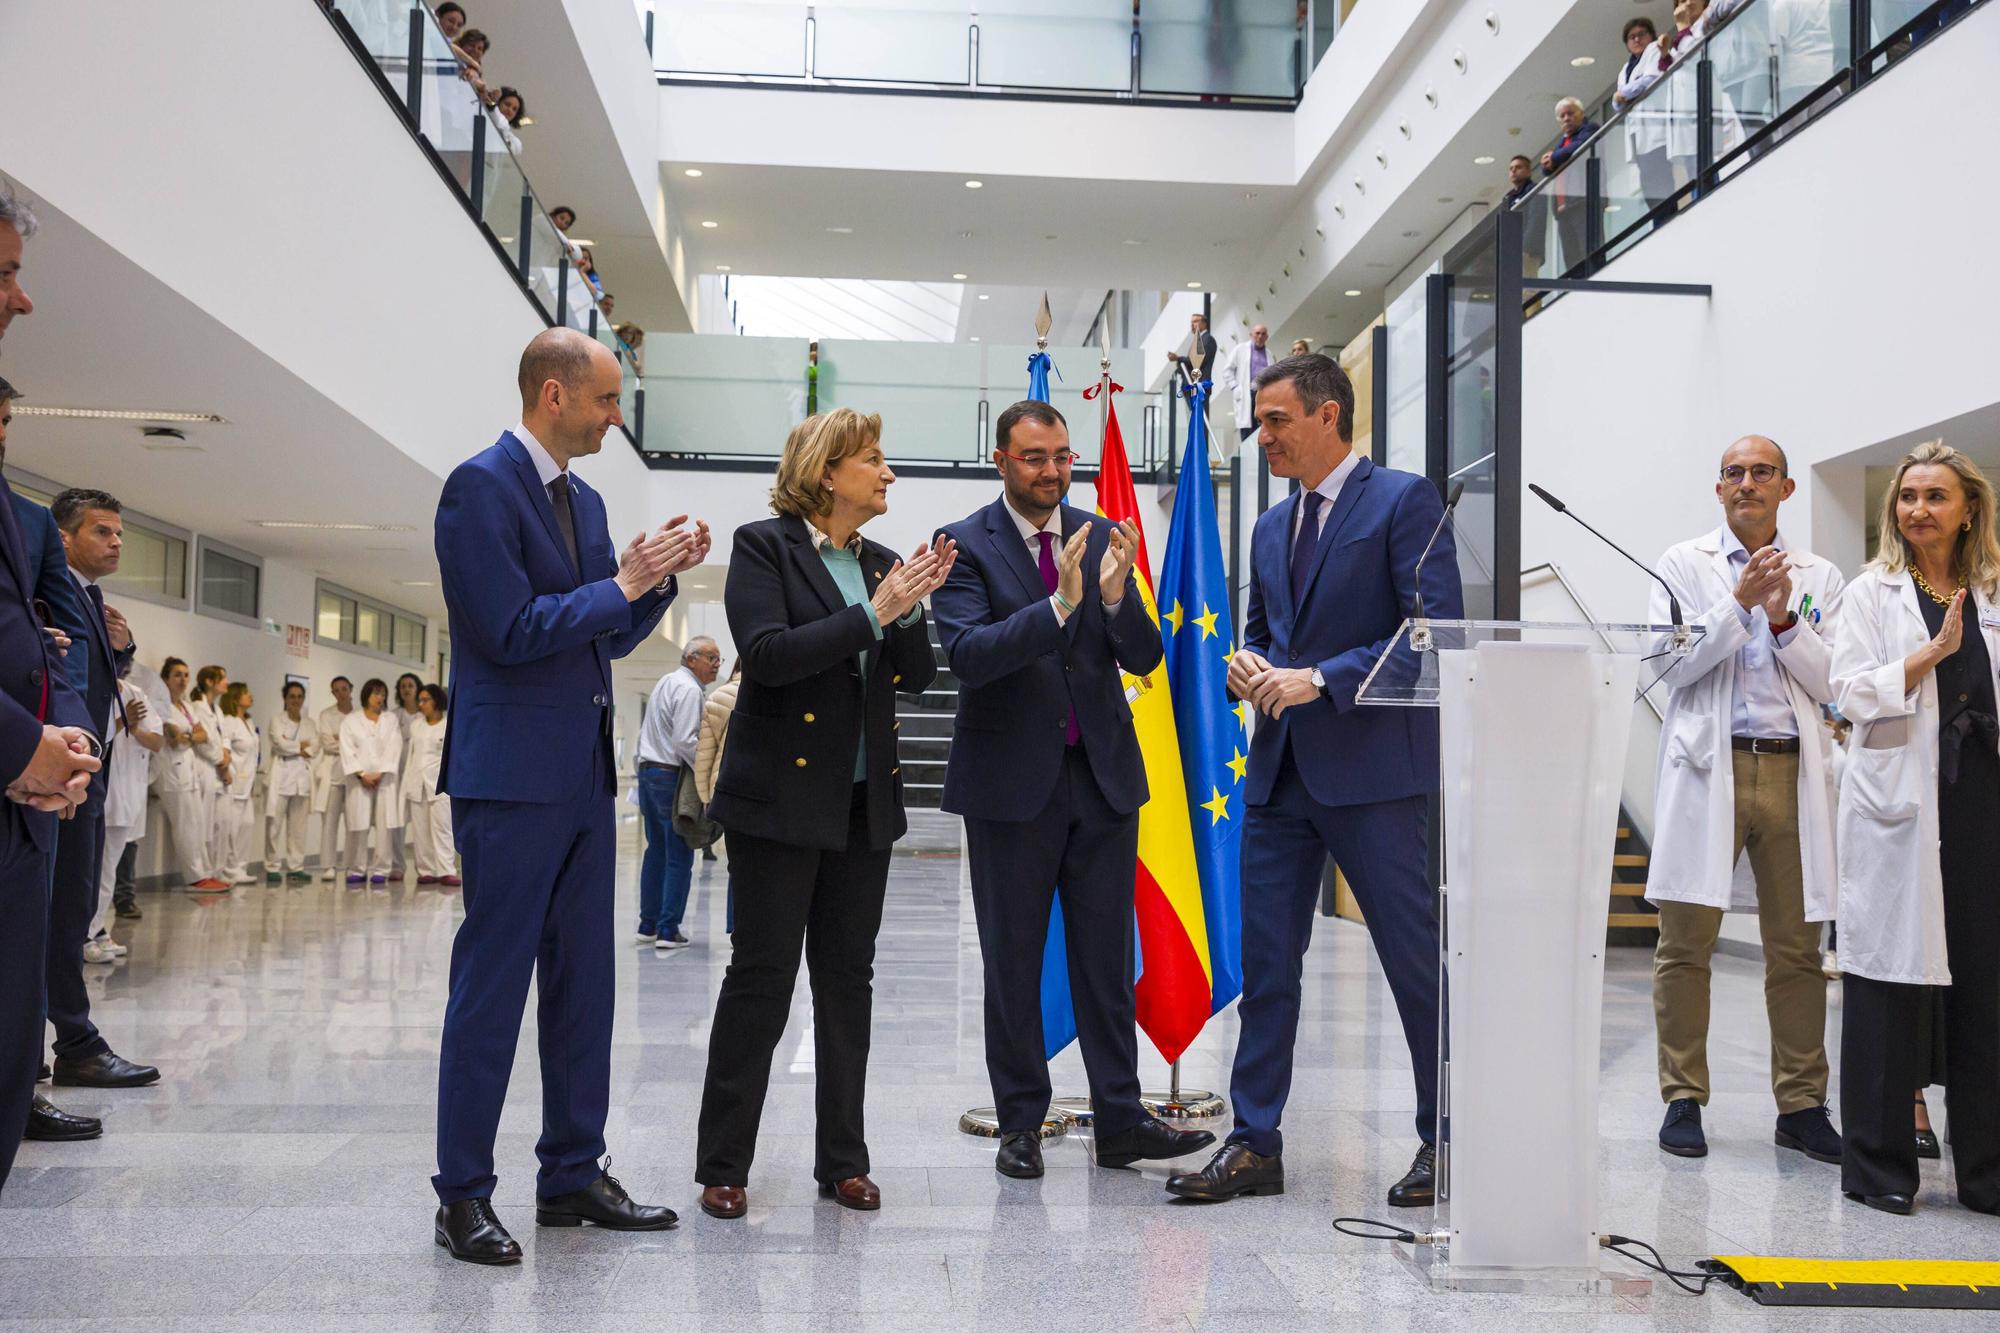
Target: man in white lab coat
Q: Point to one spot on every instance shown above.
(1239, 375)
(1743, 767)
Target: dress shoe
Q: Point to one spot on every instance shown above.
(1680, 1132)
(106, 1069)
(1020, 1155)
(602, 1203)
(1927, 1145)
(129, 912)
(856, 1192)
(1810, 1131)
(727, 1202)
(471, 1231)
(1900, 1204)
(1418, 1187)
(1232, 1172)
(47, 1123)
(43, 1077)
(1150, 1139)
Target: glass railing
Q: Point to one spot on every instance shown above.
(1259, 50)
(710, 397)
(1764, 69)
(439, 99)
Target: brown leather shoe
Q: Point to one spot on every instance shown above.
(724, 1201)
(856, 1192)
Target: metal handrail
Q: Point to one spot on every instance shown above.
(1551, 567)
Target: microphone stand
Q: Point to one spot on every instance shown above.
(1420, 625)
(1682, 641)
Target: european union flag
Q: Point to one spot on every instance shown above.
(1199, 643)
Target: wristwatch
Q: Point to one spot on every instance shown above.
(96, 746)
(1319, 681)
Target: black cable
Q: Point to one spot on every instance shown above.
(1384, 1231)
(1657, 1263)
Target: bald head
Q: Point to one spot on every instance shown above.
(1755, 449)
(1751, 484)
(569, 392)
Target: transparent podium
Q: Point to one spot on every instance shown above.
(1534, 720)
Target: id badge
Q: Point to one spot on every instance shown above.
(1989, 617)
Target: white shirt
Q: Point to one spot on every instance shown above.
(370, 747)
(673, 720)
(546, 467)
(1758, 704)
(1329, 487)
(1032, 535)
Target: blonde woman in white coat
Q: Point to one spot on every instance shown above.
(177, 780)
(1744, 767)
(238, 811)
(427, 811)
(288, 788)
(329, 782)
(371, 753)
(1914, 667)
(212, 768)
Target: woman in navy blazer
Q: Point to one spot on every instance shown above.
(830, 628)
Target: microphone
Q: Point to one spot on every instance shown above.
(1681, 637)
(1420, 630)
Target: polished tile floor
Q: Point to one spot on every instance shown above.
(277, 1177)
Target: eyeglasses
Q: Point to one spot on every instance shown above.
(1036, 462)
(1757, 472)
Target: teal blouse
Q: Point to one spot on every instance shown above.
(845, 566)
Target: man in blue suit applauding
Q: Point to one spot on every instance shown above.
(539, 608)
(1333, 574)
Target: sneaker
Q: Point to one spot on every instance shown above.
(646, 936)
(1680, 1132)
(95, 952)
(329, 875)
(1811, 1132)
(103, 938)
(273, 877)
(673, 941)
(356, 880)
(242, 877)
(129, 912)
(378, 879)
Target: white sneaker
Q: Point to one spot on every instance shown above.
(242, 877)
(104, 941)
(94, 952)
(673, 941)
(329, 875)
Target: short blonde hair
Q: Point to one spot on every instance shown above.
(811, 450)
(1978, 551)
(232, 698)
(1576, 102)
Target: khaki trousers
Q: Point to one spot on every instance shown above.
(1767, 826)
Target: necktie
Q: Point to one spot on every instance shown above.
(1071, 733)
(1306, 548)
(559, 497)
(103, 627)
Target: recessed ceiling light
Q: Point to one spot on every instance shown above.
(958, 277)
(1483, 160)
(692, 171)
(1193, 285)
(525, 120)
(332, 527)
(975, 185)
(578, 241)
(975, 337)
(1351, 291)
(418, 583)
(722, 268)
(116, 414)
(710, 224)
(984, 297)
(1583, 62)
(965, 236)
(1249, 194)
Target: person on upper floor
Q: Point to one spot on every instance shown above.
(1247, 360)
(1646, 122)
(1202, 346)
(1569, 200)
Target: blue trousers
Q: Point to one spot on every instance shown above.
(1383, 850)
(668, 868)
(538, 892)
(25, 872)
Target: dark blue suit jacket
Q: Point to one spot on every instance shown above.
(1019, 672)
(1360, 591)
(33, 688)
(532, 637)
(57, 590)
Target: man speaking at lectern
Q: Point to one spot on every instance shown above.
(1333, 575)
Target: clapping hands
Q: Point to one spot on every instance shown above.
(908, 582)
(654, 557)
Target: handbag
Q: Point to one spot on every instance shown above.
(691, 822)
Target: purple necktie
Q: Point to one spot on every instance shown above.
(1305, 548)
(1049, 580)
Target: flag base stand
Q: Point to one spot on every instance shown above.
(984, 1122)
(1185, 1104)
(1074, 1110)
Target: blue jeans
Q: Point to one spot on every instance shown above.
(668, 868)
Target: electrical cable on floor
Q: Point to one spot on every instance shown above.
(1384, 1230)
(1617, 1244)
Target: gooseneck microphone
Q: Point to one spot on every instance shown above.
(1673, 602)
(1450, 503)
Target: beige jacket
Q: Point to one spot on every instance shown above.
(715, 711)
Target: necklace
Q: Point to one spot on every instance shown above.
(1923, 583)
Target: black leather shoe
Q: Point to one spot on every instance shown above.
(1680, 1131)
(1150, 1140)
(1418, 1187)
(1020, 1155)
(48, 1123)
(1900, 1204)
(129, 912)
(1810, 1131)
(1928, 1147)
(1233, 1171)
(106, 1069)
(471, 1231)
(602, 1203)
(43, 1077)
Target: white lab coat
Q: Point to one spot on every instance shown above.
(234, 834)
(423, 756)
(428, 813)
(1891, 887)
(185, 802)
(241, 739)
(174, 766)
(292, 749)
(1694, 810)
(125, 781)
(327, 786)
(372, 747)
(1242, 385)
(1645, 124)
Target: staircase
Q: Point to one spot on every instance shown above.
(1630, 919)
(923, 733)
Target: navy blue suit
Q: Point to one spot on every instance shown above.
(33, 691)
(92, 666)
(528, 764)
(1043, 816)
(1333, 777)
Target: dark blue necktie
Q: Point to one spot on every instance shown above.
(1306, 548)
